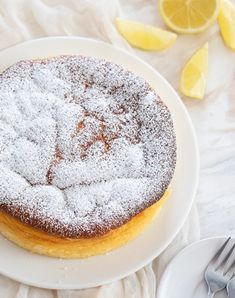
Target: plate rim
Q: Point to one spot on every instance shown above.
(197, 163)
(162, 282)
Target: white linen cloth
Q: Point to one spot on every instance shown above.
(21, 20)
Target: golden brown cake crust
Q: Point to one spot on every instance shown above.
(40, 242)
(85, 145)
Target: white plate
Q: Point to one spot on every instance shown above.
(48, 272)
(183, 277)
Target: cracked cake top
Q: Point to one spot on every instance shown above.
(85, 145)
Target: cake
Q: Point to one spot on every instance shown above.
(87, 153)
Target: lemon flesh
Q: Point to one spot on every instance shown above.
(226, 21)
(194, 74)
(143, 36)
(189, 16)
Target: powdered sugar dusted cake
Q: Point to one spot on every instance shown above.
(85, 145)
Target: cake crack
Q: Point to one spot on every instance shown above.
(94, 137)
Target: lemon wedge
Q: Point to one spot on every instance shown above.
(143, 36)
(194, 74)
(226, 21)
(188, 16)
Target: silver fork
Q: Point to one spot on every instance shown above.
(220, 269)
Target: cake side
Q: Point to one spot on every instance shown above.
(43, 243)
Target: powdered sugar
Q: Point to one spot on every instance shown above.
(84, 145)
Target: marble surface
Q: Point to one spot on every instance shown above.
(213, 117)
